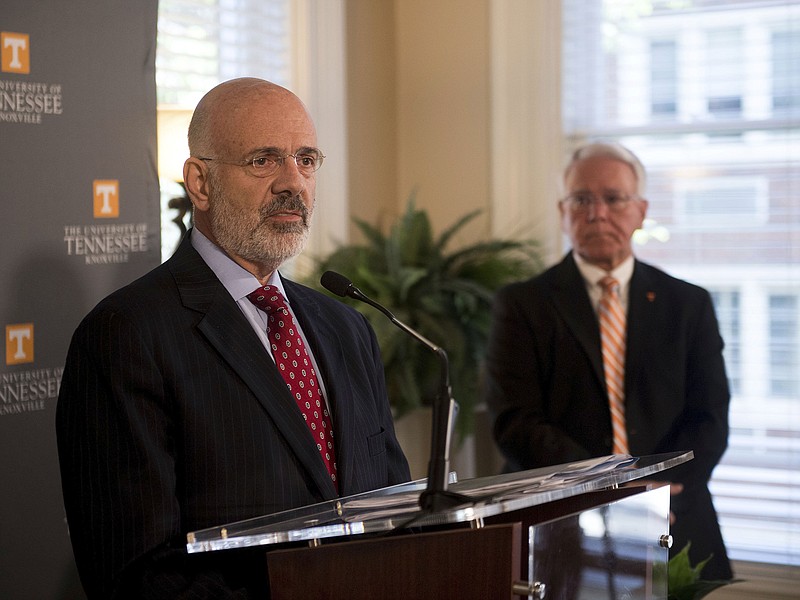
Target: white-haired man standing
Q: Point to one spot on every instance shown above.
(603, 354)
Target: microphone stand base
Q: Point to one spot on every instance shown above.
(435, 501)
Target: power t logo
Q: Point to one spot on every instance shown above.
(106, 198)
(19, 343)
(15, 52)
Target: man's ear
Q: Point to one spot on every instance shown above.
(643, 206)
(562, 217)
(195, 179)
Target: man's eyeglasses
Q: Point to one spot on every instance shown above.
(268, 163)
(582, 201)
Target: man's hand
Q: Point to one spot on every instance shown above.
(674, 490)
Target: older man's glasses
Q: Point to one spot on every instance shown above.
(581, 202)
(268, 163)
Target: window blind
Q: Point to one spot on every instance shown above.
(707, 93)
(202, 43)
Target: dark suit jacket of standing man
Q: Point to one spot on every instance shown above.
(546, 389)
(199, 429)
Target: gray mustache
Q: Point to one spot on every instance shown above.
(282, 203)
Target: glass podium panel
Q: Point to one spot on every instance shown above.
(612, 551)
(397, 507)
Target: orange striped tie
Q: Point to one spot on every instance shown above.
(612, 335)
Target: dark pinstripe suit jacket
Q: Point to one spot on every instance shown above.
(171, 417)
(546, 389)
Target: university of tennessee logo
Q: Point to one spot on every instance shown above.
(15, 52)
(106, 198)
(19, 343)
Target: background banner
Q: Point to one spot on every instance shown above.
(80, 218)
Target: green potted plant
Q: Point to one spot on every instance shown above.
(444, 294)
(683, 579)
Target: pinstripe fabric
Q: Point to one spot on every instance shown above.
(612, 339)
(172, 417)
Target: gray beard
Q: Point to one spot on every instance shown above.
(251, 236)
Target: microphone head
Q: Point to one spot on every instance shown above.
(336, 283)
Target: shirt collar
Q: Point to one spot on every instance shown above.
(593, 274)
(238, 281)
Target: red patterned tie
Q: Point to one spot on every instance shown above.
(612, 335)
(292, 359)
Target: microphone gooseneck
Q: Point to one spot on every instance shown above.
(341, 286)
(435, 497)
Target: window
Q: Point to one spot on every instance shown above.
(715, 116)
(785, 72)
(784, 313)
(663, 80)
(200, 44)
(710, 203)
(295, 43)
(204, 42)
(724, 72)
(728, 312)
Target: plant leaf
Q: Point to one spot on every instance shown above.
(445, 296)
(448, 233)
(683, 579)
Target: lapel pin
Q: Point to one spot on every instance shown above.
(651, 296)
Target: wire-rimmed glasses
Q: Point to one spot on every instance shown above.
(580, 202)
(264, 164)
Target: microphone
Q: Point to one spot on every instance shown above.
(435, 497)
(342, 286)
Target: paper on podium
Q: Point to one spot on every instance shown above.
(520, 484)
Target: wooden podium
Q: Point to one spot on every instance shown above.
(593, 529)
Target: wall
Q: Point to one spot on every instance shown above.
(418, 105)
(443, 105)
(446, 99)
(371, 109)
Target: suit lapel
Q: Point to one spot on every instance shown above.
(572, 303)
(229, 332)
(642, 301)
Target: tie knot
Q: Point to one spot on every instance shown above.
(268, 298)
(609, 284)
